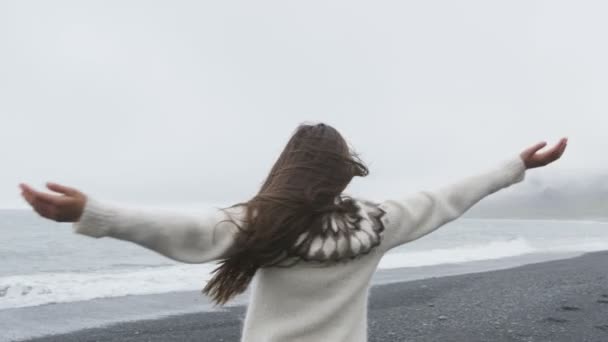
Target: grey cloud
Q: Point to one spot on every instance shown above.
(158, 101)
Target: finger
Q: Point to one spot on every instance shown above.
(29, 198)
(532, 150)
(25, 187)
(35, 195)
(564, 144)
(553, 153)
(28, 193)
(40, 206)
(561, 147)
(62, 189)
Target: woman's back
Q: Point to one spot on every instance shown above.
(310, 302)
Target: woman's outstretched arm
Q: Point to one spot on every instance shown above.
(184, 237)
(413, 217)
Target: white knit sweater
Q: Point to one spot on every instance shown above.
(306, 302)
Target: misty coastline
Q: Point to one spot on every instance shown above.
(557, 198)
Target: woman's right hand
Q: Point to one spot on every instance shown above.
(68, 206)
(532, 157)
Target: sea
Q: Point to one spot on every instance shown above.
(44, 263)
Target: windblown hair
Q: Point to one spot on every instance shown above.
(305, 183)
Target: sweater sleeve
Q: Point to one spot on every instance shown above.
(420, 214)
(183, 237)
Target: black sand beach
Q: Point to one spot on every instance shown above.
(564, 300)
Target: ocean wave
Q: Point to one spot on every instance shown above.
(60, 287)
(489, 251)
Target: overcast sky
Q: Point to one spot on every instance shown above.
(191, 101)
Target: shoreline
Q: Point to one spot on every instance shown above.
(66, 318)
(559, 301)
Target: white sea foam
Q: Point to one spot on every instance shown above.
(489, 251)
(46, 288)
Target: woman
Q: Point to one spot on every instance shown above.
(311, 249)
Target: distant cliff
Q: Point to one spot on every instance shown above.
(560, 198)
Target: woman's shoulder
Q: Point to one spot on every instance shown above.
(368, 207)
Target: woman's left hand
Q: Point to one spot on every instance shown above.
(66, 207)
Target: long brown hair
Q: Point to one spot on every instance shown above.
(306, 182)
